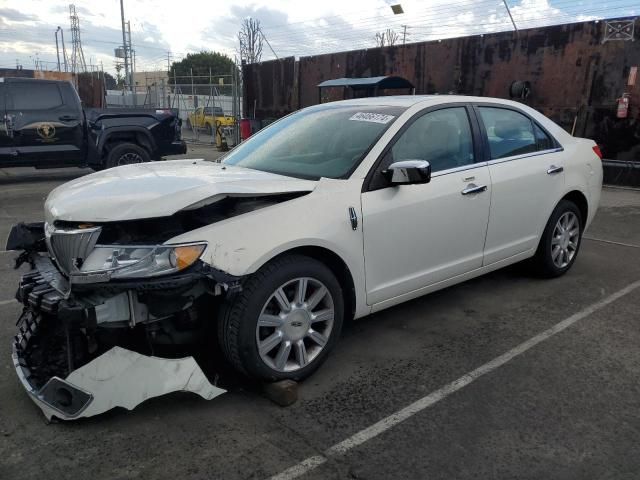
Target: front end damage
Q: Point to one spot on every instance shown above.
(84, 348)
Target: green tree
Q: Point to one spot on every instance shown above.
(119, 77)
(110, 81)
(200, 65)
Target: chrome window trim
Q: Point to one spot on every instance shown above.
(524, 155)
(462, 168)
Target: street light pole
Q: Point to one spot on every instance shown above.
(506, 5)
(124, 45)
(58, 48)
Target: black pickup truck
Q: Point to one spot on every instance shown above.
(43, 125)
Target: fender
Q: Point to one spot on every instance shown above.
(107, 132)
(567, 191)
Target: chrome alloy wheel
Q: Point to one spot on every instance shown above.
(564, 243)
(295, 324)
(129, 158)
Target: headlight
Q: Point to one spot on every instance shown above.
(131, 261)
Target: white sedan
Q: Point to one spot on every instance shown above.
(334, 212)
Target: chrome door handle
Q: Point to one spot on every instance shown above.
(353, 218)
(474, 189)
(553, 169)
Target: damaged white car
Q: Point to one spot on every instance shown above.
(334, 212)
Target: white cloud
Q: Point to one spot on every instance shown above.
(293, 27)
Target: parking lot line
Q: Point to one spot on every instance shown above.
(602, 240)
(7, 302)
(394, 419)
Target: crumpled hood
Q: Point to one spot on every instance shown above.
(158, 189)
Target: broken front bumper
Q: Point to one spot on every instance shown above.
(117, 378)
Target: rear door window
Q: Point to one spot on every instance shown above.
(2, 100)
(544, 141)
(510, 133)
(35, 96)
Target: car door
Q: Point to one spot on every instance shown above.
(419, 235)
(47, 123)
(527, 175)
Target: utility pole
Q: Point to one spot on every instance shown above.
(132, 62)
(78, 64)
(506, 5)
(124, 45)
(132, 66)
(57, 48)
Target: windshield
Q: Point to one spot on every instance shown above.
(326, 141)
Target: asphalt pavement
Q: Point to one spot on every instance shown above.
(505, 376)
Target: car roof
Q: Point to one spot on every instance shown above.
(410, 100)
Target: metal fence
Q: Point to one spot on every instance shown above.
(209, 105)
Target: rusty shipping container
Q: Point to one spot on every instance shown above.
(577, 76)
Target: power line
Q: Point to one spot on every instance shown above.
(357, 37)
(308, 38)
(307, 32)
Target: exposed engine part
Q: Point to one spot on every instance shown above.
(113, 310)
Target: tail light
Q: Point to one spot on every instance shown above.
(597, 151)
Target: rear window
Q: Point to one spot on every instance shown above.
(35, 96)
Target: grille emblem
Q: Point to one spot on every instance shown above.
(70, 248)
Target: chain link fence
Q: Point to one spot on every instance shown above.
(209, 105)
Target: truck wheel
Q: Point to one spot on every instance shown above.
(560, 241)
(126, 154)
(284, 322)
(189, 126)
(209, 129)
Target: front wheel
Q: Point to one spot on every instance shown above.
(560, 241)
(285, 321)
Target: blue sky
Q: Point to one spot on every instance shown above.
(293, 27)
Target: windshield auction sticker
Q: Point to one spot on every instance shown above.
(372, 117)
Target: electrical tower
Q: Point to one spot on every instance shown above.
(78, 63)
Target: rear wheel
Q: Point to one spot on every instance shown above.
(126, 154)
(560, 241)
(209, 129)
(285, 321)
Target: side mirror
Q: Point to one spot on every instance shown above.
(408, 172)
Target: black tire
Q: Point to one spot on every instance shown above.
(189, 126)
(237, 322)
(542, 262)
(125, 154)
(209, 129)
